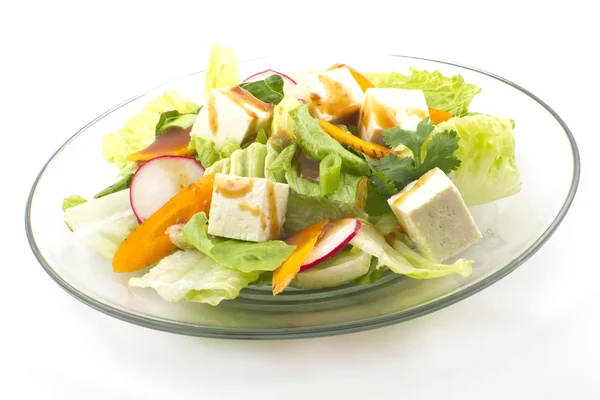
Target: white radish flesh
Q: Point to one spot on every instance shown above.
(288, 83)
(337, 236)
(158, 180)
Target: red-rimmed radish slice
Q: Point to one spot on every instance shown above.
(288, 83)
(158, 180)
(302, 101)
(338, 234)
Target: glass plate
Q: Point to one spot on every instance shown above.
(513, 228)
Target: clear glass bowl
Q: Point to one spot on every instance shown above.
(514, 228)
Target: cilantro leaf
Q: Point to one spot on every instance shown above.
(436, 153)
(439, 153)
(383, 184)
(401, 171)
(414, 140)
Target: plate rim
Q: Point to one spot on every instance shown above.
(190, 329)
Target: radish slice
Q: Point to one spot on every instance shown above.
(158, 180)
(335, 238)
(288, 83)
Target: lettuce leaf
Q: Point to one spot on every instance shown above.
(121, 184)
(282, 124)
(249, 162)
(488, 170)
(317, 144)
(450, 94)
(139, 131)
(206, 152)
(269, 90)
(349, 189)
(236, 254)
(222, 68)
(72, 201)
(104, 223)
(303, 211)
(194, 276)
(402, 260)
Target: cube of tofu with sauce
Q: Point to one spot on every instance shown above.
(334, 95)
(435, 217)
(251, 209)
(386, 108)
(232, 113)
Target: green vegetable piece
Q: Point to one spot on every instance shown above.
(317, 144)
(450, 94)
(194, 276)
(330, 169)
(237, 254)
(228, 148)
(121, 184)
(172, 119)
(261, 137)
(222, 68)
(207, 153)
(269, 90)
(72, 201)
(488, 170)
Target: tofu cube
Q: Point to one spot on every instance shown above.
(435, 217)
(232, 113)
(386, 108)
(251, 209)
(334, 95)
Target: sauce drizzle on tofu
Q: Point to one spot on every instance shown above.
(337, 102)
(213, 119)
(249, 104)
(234, 188)
(252, 209)
(272, 203)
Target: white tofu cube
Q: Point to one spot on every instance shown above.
(334, 95)
(435, 217)
(251, 209)
(232, 113)
(386, 108)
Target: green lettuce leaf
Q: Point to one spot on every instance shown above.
(303, 211)
(103, 223)
(317, 144)
(194, 276)
(222, 68)
(206, 152)
(402, 260)
(282, 124)
(488, 170)
(139, 131)
(450, 94)
(269, 90)
(72, 201)
(172, 119)
(249, 162)
(121, 184)
(330, 169)
(349, 189)
(236, 254)
(228, 148)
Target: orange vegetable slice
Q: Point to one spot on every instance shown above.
(370, 149)
(149, 242)
(362, 80)
(174, 142)
(304, 241)
(438, 116)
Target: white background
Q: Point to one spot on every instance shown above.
(533, 335)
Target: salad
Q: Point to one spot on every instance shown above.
(327, 179)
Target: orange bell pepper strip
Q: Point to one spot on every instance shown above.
(370, 149)
(362, 80)
(304, 241)
(149, 242)
(438, 116)
(172, 143)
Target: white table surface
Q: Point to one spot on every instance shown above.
(533, 335)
